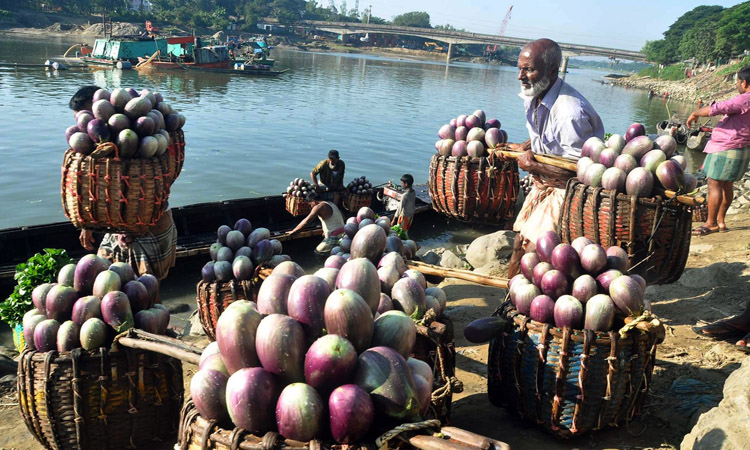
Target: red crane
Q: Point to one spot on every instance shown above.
(503, 26)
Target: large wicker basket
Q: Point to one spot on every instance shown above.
(176, 153)
(353, 202)
(474, 189)
(297, 206)
(100, 399)
(213, 298)
(117, 195)
(435, 345)
(570, 381)
(654, 231)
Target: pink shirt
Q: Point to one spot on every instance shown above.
(733, 130)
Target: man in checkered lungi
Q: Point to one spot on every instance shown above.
(559, 120)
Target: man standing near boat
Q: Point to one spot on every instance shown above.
(728, 151)
(559, 120)
(331, 171)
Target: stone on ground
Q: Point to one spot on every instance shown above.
(490, 248)
(451, 261)
(726, 426)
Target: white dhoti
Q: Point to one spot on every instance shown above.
(540, 212)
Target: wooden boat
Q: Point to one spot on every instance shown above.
(247, 71)
(698, 138)
(196, 227)
(674, 128)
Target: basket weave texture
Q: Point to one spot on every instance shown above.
(655, 232)
(569, 381)
(353, 202)
(435, 345)
(473, 189)
(297, 206)
(700, 213)
(99, 399)
(213, 298)
(119, 195)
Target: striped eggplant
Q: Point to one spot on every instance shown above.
(300, 412)
(396, 330)
(307, 298)
(346, 314)
(330, 362)
(600, 313)
(361, 276)
(273, 293)
(351, 413)
(280, 344)
(252, 394)
(208, 389)
(385, 375)
(235, 335)
(408, 296)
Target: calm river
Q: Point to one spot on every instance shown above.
(250, 136)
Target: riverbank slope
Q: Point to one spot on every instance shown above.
(707, 86)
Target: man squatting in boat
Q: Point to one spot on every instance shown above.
(559, 120)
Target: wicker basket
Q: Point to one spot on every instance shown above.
(99, 399)
(353, 202)
(117, 195)
(700, 213)
(435, 345)
(654, 232)
(297, 206)
(474, 189)
(213, 298)
(176, 153)
(570, 381)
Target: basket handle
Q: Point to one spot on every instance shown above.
(141, 340)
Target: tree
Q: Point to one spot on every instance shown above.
(699, 42)
(657, 52)
(733, 32)
(417, 19)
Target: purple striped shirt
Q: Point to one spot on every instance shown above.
(733, 130)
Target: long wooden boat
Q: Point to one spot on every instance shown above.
(196, 227)
(673, 128)
(246, 71)
(698, 138)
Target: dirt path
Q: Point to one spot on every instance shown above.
(715, 285)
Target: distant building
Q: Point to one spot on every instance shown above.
(140, 5)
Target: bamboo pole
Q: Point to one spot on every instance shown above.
(473, 439)
(148, 61)
(164, 349)
(424, 442)
(557, 162)
(467, 275)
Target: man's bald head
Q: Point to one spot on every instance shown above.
(545, 53)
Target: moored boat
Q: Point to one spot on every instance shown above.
(196, 228)
(672, 127)
(698, 138)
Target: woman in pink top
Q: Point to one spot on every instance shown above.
(728, 151)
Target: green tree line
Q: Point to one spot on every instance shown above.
(704, 33)
(217, 14)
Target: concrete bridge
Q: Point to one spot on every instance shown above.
(457, 37)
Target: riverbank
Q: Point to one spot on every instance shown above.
(707, 87)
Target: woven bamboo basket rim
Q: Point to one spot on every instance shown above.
(622, 197)
(601, 337)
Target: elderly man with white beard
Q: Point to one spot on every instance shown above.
(559, 120)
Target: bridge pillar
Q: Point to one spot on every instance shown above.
(449, 54)
(564, 68)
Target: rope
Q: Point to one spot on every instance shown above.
(382, 441)
(646, 316)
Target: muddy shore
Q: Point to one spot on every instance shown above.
(706, 87)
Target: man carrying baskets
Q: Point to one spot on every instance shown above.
(559, 120)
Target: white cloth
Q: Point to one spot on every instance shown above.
(333, 223)
(540, 212)
(564, 120)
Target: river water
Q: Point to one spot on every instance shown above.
(250, 136)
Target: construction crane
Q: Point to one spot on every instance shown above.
(503, 26)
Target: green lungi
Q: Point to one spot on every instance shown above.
(727, 165)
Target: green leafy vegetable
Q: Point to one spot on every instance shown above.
(400, 231)
(40, 268)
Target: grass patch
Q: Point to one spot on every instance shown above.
(730, 70)
(670, 73)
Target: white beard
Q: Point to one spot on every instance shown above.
(536, 88)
